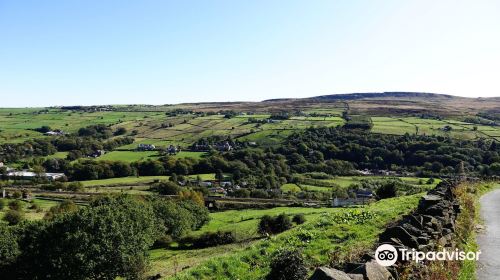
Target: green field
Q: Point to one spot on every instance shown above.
(16, 125)
(318, 238)
(346, 181)
(138, 180)
(123, 181)
(129, 156)
(31, 214)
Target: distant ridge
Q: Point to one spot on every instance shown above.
(367, 95)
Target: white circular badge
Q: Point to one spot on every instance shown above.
(386, 255)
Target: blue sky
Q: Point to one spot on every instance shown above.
(157, 52)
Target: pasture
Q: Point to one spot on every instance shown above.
(154, 127)
(320, 238)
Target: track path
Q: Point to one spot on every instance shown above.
(488, 267)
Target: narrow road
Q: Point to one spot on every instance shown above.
(488, 267)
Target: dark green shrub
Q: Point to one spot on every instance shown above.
(167, 188)
(259, 194)
(274, 225)
(75, 186)
(288, 265)
(211, 239)
(387, 190)
(299, 219)
(15, 205)
(13, 217)
(2, 204)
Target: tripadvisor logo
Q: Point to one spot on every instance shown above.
(387, 255)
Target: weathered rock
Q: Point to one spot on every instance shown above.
(356, 276)
(400, 233)
(374, 271)
(326, 273)
(416, 221)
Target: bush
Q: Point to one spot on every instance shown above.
(65, 206)
(13, 217)
(2, 204)
(274, 225)
(120, 131)
(299, 219)
(387, 190)
(15, 205)
(259, 194)
(75, 186)
(167, 188)
(288, 265)
(17, 194)
(241, 193)
(212, 239)
(162, 241)
(35, 207)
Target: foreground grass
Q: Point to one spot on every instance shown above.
(320, 239)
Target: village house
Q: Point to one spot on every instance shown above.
(146, 147)
(55, 132)
(218, 190)
(29, 175)
(172, 150)
(97, 153)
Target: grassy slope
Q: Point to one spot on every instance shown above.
(30, 214)
(346, 181)
(16, 125)
(138, 180)
(250, 259)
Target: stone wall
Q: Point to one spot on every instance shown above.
(430, 226)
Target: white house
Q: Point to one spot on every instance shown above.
(29, 175)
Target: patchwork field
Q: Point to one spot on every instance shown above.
(155, 127)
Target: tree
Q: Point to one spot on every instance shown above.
(176, 220)
(9, 249)
(196, 197)
(65, 206)
(167, 188)
(108, 239)
(387, 190)
(120, 131)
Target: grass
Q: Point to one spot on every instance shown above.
(132, 180)
(319, 239)
(123, 181)
(129, 156)
(17, 125)
(466, 221)
(30, 214)
(346, 181)
(187, 154)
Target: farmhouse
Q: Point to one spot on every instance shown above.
(218, 190)
(172, 150)
(97, 153)
(29, 175)
(146, 147)
(56, 132)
